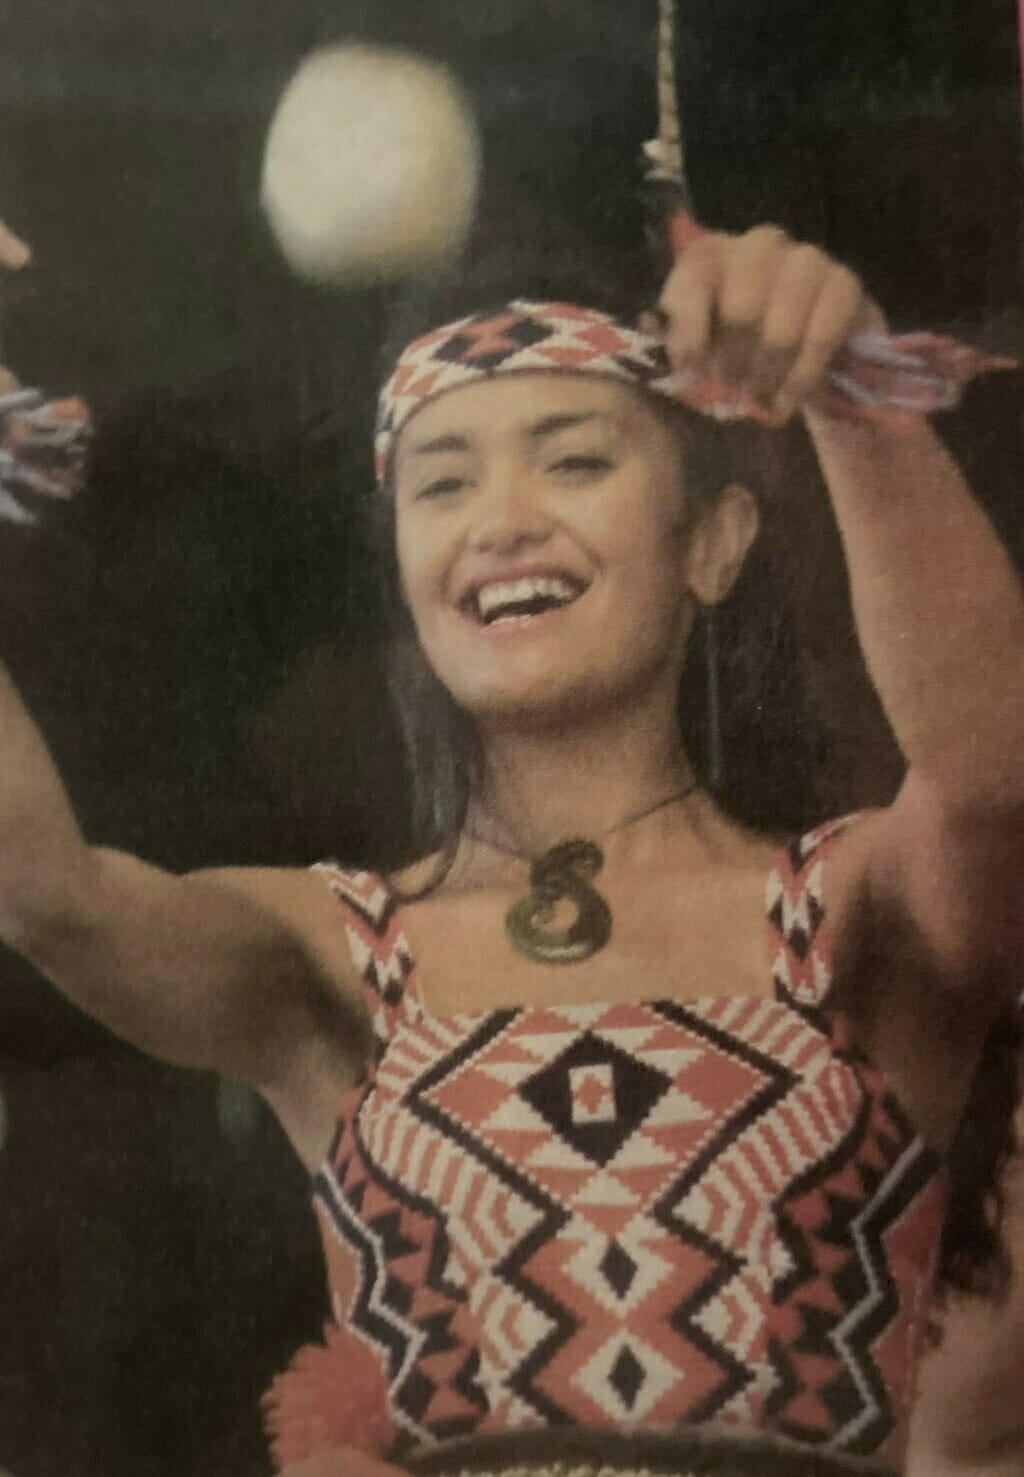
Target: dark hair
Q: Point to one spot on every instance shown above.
(973, 1257)
(773, 748)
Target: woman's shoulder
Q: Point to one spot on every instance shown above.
(312, 902)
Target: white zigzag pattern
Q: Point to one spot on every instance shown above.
(735, 1318)
(372, 1283)
(844, 1335)
(732, 1203)
(485, 1220)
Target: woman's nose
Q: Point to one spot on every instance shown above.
(510, 515)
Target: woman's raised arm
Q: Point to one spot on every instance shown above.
(240, 971)
(938, 605)
(939, 609)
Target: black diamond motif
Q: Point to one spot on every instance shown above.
(637, 1088)
(619, 1269)
(521, 333)
(627, 1376)
(816, 913)
(799, 942)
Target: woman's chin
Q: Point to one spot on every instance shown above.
(545, 702)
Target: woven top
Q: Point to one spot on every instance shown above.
(621, 1216)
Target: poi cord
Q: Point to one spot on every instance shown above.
(879, 376)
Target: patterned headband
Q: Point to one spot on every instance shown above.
(519, 337)
(891, 378)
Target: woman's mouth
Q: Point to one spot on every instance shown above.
(499, 602)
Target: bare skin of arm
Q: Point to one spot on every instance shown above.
(939, 611)
(222, 970)
(940, 618)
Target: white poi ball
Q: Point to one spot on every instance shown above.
(371, 168)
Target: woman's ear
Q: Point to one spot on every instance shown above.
(720, 543)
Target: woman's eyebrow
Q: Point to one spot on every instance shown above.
(552, 424)
(450, 441)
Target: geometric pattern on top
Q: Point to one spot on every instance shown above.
(631, 1215)
(520, 337)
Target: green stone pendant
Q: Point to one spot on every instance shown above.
(562, 874)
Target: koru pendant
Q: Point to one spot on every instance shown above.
(562, 874)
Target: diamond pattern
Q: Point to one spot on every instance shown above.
(598, 1132)
(631, 1213)
(486, 341)
(627, 1375)
(619, 1269)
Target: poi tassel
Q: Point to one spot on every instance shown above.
(890, 378)
(43, 449)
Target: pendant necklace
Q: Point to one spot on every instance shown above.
(564, 873)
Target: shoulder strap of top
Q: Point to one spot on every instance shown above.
(797, 917)
(380, 953)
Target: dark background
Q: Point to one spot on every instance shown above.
(198, 635)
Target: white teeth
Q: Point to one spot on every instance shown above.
(507, 594)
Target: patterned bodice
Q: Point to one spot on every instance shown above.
(630, 1214)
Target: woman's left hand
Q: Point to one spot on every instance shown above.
(761, 315)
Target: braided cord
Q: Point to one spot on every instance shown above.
(666, 155)
(670, 134)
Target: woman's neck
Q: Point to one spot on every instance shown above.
(541, 787)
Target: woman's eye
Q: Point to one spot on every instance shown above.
(581, 465)
(441, 487)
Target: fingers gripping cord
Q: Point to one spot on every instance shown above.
(894, 379)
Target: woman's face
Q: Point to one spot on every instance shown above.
(541, 534)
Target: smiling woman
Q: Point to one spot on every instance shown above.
(605, 1181)
(555, 522)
